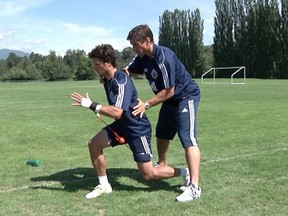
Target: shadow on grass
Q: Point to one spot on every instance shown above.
(85, 179)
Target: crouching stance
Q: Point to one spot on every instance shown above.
(127, 128)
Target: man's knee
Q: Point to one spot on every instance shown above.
(90, 143)
(148, 176)
(93, 144)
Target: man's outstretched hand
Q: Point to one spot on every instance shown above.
(79, 100)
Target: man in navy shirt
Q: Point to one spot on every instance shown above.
(122, 97)
(179, 94)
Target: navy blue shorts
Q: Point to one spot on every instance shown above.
(140, 145)
(179, 117)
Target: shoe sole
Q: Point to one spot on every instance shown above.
(106, 192)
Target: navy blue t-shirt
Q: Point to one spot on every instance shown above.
(165, 70)
(121, 93)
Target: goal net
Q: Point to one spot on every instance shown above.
(225, 75)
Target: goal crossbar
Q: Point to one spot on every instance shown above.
(239, 68)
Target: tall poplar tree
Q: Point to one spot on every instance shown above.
(223, 40)
(182, 31)
(248, 32)
(283, 61)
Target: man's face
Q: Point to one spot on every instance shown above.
(100, 67)
(140, 48)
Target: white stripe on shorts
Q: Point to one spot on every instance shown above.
(145, 144)
(192, 122)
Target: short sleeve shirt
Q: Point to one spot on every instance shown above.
(121, 93)
(165, 70)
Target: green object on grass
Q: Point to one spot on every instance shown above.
(33, 162)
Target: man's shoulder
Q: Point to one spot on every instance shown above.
(161, 47)
(160, 51)
(121, 77)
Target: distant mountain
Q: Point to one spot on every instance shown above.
(4, 53)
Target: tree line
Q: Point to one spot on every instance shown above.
(74, 65)
(250, 33)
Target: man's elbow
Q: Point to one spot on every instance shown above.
(117, 115)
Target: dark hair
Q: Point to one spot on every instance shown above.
(105, 53)
(140, 33)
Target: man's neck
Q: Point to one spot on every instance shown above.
(149, 51)
(111, 73)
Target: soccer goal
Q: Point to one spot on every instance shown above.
(225, 75)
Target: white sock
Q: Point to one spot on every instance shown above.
(196, 186)
(103, 180)
(184, 171)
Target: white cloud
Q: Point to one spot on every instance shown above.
(11, 33)
(35, 41)
(75, 28)
(9, 9)
(7, 34)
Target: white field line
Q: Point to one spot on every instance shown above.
(51, 183)
(244, 156)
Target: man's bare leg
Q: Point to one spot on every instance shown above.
(162, 149)
(193, 156)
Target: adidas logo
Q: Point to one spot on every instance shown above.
(184, 110)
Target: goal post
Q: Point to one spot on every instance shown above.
(237, 75)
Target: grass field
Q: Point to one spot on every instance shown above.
(243, 135)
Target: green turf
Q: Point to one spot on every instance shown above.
(242, 133)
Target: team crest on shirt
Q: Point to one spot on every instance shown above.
(154, 74)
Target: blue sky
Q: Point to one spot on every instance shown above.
(43, 25)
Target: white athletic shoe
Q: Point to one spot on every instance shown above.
(98, 190)
(190, 193)
(183, 188)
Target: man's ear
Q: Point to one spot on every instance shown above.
(148, 40)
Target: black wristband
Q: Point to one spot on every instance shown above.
(93, 106)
